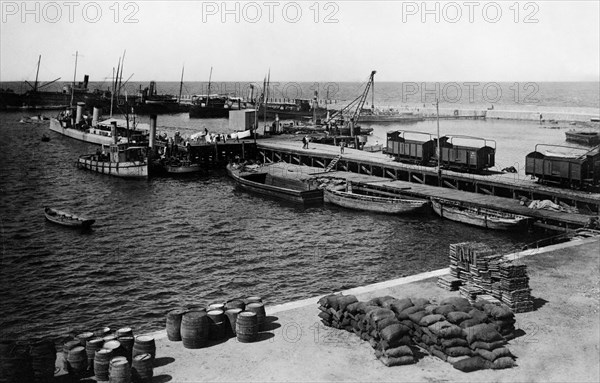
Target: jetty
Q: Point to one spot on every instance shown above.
(499, 191)
(297, 348)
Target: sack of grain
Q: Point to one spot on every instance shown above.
(444, 310)
(431, 319)
(474, 363)
(487, 345)
(399, 351)
(504, 362)
(401, 361)
(456, 317)
(400, 305)
(483, 332)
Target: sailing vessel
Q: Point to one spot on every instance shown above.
(359, 196)
(212, 105)
(261, 182)
(482, 217)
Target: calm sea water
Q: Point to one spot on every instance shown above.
(162, 243)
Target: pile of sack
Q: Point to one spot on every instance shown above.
(469, 336)
(374, 321)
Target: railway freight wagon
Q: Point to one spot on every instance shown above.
(468, 157)
(418, 148)
(421, 148)
(575, 171)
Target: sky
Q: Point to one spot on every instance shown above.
(303, 40)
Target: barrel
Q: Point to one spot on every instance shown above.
(84, 337)
(246, 327)
(253, 299)
(77, 360)
(216, 324)
(141, 368)
(67, 347)
(194, 329)
(174, 325)
(144, 344)
(125, 331)
(235, 304)
(127, 346)
(115, 347)
(230, 318)
(216, 306)
(101, 362)
(119, 370)
(43, 359)
(259, 309)
(109, 337)
(102, 332)
(15, 364)
(91, 347)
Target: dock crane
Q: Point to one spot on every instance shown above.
(357, 103)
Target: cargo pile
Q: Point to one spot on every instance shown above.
(469, 336)
(481, 274)
(195, 327)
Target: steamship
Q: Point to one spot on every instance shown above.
(98, 132)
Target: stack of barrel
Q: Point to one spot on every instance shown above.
(114, 357)
(27, 361)
(197, 326)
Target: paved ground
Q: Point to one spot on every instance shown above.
(562, 341)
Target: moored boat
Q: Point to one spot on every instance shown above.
(176, 167)
(261, 182)
(66, 219)
(583, 137)
(364, 197)
(482, 217)
(122, 161)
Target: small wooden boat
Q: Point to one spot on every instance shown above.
(261, 182)
(66, 219)
(45, 138)
(176, 167)
(583, 137)
(364, 197)
(482, 217)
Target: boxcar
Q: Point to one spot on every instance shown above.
(576, 171)
(467, 157)
(416, 150)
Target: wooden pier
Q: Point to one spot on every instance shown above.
(219, 154)
(500, 191)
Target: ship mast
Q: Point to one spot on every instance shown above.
(208, 93)
(266, 97)
(36, 74)
(181, 84)
(74, 78)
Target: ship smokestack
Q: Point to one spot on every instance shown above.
(79, 117)
(113, 131)
(95, 116)
(86, 79)
(152, 131)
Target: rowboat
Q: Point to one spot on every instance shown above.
(66, 219)
(364, 197)
(261, 182)
(482, 217)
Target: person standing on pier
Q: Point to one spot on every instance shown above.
(342, 144)
(304, 143)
